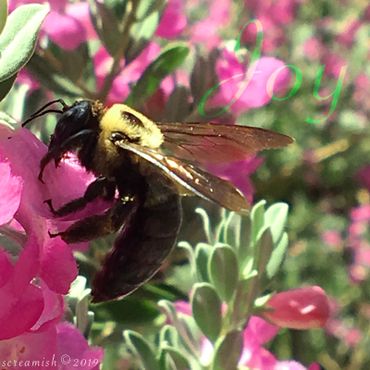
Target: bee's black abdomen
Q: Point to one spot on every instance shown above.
(140, 248)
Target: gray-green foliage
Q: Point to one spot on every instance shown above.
(18, 40)
(230, 273)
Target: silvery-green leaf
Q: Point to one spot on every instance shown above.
(3, 13)
(19, 36)
(228, 351)
(277, 256)
(223, 270)
(142, 348)
(258, 218)
(206, 307)
(275, 218)
(202, 253)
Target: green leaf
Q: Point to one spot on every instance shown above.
(3, 13)
(202, 253)
(167, 62)
(206, 306)
(18, 39)
(206, 224)
(232, 228)
(246, 294)
(179, 359)
(277, 256)
(84, 317)
(276, 217)
(228, 351)
(148, 7)
(245, 238)
(142, 348)
(106, 25)
(168, 336)
(258, 218)
(169, 310)
(6, 85)
(263, 250)
(223, 270)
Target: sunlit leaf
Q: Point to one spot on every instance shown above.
(18, 39)
(206, 308)
(167, 62)
(224, 271)
(3, 13)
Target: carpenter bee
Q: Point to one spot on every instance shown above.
(149, 165)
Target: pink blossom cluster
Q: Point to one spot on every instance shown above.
(275, 17)
(333, 54)
(36, 271)
(359, 243)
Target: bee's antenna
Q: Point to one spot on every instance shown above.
(40, 112)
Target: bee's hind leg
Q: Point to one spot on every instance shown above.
(101, 187)
(97, 226)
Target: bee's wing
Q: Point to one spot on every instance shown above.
(210, 143)
(192, 178)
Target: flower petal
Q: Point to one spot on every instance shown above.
(302, 308)
(10, 193)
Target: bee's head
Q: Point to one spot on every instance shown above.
(76, 123)
(131, 126)
(76, 126)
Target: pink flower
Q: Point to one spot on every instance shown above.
(67, 25)
(358, 243)
(64, 30)
(242, 88)
(272, 34)
(361, 94)
(18, 290)
(346, 38)
(71, 342)
(49, 259)
(348, 334)
(313, 49)
(10, 193)
(280, 11)
(60, 347)
(364, 175)
(25, 78)
(333, 64)
(274, 16)
(206, 31)
(302, 308)
(173, 21)
(332, 238)
(239, 174)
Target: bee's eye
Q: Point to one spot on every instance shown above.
(129, 117)
(120, 136)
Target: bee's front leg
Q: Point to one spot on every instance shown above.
(97, 226)
(101, 187)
